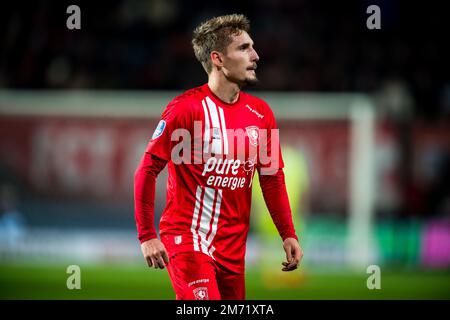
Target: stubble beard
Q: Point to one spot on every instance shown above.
(247, 82)
(250, 82)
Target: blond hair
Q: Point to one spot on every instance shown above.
(215, 35)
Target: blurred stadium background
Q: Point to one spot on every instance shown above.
(364, 118)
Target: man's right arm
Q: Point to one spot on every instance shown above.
(144, 201)
(158, 153)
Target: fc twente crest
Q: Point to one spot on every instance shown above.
(201, 293)
(253, 134)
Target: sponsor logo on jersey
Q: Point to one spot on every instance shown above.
(259, 115)
(159, 129)
(253, 134)
(249, 165)
(190, 284)
(201, 293)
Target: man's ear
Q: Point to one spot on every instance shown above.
(217, 59)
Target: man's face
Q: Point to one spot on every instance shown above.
(239, 61)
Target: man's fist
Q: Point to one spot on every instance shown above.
(294, 254)
(155, 253)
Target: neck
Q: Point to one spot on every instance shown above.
(226, 91)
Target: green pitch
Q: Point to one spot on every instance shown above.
(139, 282)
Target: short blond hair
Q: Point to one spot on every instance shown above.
(215, 35)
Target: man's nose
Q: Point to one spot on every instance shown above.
(254, 56)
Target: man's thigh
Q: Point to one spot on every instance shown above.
(231, 286)
(193, 276)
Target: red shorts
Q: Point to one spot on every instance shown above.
(196, 276)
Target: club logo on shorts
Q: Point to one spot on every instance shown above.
(159, 129)
(253, 134)
(201, 293)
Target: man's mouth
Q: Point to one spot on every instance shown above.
(252, 67)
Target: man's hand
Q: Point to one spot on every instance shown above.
(294, 254)
(155, 253)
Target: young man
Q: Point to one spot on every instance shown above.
(226, 134)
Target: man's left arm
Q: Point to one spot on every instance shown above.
(275, 195)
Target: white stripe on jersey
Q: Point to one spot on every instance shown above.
(224, 132)
(216, 146)
(198, 201)
(211, 251)
(206, 136)
(216, 216)
(211, 248)
(209, 211)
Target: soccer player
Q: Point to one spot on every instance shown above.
(225, 135)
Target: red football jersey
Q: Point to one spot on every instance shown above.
(213, 149)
